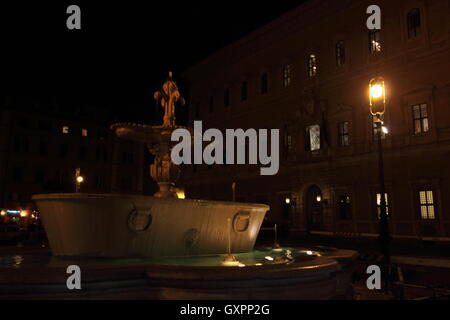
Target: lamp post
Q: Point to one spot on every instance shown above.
(377, 94)
(79, 179)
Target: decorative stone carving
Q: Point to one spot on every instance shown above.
(157, 139)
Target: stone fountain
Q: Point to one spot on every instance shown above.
(117, 226)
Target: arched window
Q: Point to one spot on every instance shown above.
(413, 21)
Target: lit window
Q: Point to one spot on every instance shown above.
(340, 54)
(420, 117)
(244, 91)
(226, 98)
(345, 208)
(264, 83)
(312, 141)
(374, 41)
(286, 75)
(343, 133)
(426, 201)
(379, 204)
(312, 65)
(376, 127)
(65, 130)
(413, 21)
(84, 132)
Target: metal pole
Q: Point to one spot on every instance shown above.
(384, 238)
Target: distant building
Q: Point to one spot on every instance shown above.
(41, 146)
(307, 74)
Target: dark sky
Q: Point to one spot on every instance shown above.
(124, 49)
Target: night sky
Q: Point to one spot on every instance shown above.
(124, 49)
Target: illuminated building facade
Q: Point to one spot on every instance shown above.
(307, 74)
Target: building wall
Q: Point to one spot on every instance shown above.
(415, 71)
(38, 157)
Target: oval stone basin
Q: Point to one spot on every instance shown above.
(119, 226)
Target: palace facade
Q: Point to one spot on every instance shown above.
(307, 74)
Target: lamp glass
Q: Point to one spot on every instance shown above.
(376, 91)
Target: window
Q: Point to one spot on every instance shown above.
(379, 204)
(312, 65)
(244, 91)
(312, 138)
(345, 212)
(65, 130)
(340, 54)
(264, 83)
(226, 98)
(426, 201)
(211, 104)
(286, 75)
(413, 22)
(374, 41)
(84, 132)
(375, 127)
(420, 118)
(343, 134)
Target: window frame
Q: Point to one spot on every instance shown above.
(308, 138)
(378, 204)
(414, 23)
(428, 203)
(421, 119)
(375, 41)
(343, 133)
(287, 75)
(312, 65)
(340, 53)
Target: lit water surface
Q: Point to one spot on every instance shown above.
(259, 257)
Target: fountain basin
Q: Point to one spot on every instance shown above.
(322, 275)
(119, 226)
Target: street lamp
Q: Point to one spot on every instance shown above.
(377, 105)
(79, 179)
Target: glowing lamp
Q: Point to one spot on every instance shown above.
(23, 213)
(80, 179)
(288, 200)
(3, 213)
(181, 195)
(376, 91)
(377, 96)
(319, 198)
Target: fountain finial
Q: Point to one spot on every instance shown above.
(168, 95)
